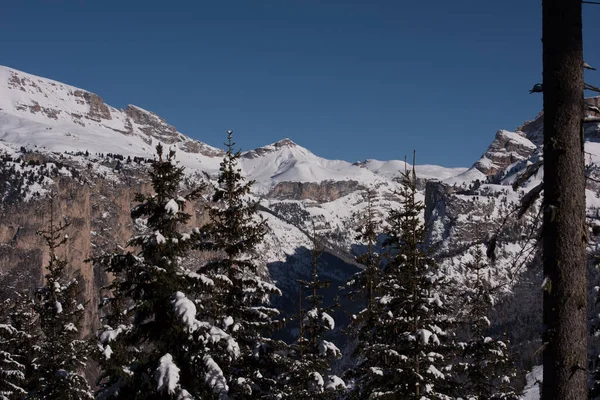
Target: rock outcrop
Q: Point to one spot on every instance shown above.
(506, 149)
(261, 151)
(320, 192)
(511, 147)
(152, 125)
(98, 110)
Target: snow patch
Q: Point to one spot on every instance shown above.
(167, 374)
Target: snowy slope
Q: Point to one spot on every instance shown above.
(285, 161)
(50, 115)
(38, 112)
(534, 381)
(393, 168)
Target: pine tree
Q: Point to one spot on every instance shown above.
(233, 234)
(362, 286)
(12, 367)
(487, 368)
(155, 343)
(21, 315)
(62, 353)
(308, 376)
(405, 352)
(364, 283)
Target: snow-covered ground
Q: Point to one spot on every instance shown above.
(534, 380)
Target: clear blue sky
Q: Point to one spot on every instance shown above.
(347, 79)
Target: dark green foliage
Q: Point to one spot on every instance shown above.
(364, 283)
(61, 353)
(404, 353)
(234, 233)
(311, 354)
(153, 346)
(594, 356)
(486, 370)
(21, 338)
(12, 362)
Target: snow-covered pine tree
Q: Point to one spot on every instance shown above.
(363, 284)
(62, 353)
(20, 314)
(309, 376)
(155, 343)
(487, 369)
(244, 311)
(12, 367)
(405, 353)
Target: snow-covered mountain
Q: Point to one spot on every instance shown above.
(53, 116)
(296, 187)
(64, 129)
(71, 132)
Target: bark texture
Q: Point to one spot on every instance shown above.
(565, 301)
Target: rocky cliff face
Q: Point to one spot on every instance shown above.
(152, 125)
(96, 109)
(50, 106)
(97, 206)
(321, 192)
(507, 148)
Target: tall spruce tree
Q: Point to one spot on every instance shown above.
(62, 353)
(405, 352)
(364, 283)
(309, 375)
(233, 234)
(487, 369)
(362, 286)
(156, 343)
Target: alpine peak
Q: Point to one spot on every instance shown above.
(287, 142)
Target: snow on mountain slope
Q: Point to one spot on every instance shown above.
(53, 116)
(466, 177)
(40, 112)
(50, 117)
(393, 168)
(285, 161)
(506, 148)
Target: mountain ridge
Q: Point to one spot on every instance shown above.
(36, 111)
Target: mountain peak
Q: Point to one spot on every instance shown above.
(282, 144)
(287, 142)
(47, 111)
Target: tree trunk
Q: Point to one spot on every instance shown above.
(565, 299)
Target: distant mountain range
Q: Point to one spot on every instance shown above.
(53, 116)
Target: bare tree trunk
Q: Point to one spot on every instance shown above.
(565, 300)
